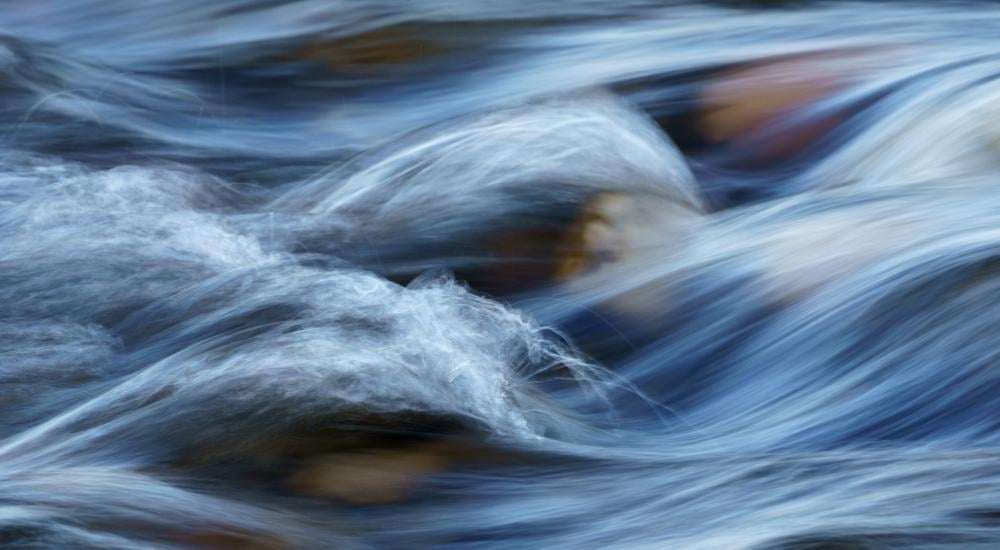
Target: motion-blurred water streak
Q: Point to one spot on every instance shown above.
(535, 274)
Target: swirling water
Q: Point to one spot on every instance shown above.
(472, 274)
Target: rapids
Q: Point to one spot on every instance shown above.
(527, 274)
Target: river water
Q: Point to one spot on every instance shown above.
(525, 274)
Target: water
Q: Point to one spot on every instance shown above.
(541, 274)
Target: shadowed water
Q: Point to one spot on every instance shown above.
(475, 275)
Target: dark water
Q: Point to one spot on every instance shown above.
(527, 274)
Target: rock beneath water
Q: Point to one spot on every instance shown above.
(377, 476)
(774, 105)
(617, 227)
(378, 48)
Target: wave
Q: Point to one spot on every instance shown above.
(311, 274)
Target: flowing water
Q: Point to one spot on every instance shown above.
(526, 274)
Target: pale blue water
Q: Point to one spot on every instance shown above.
(236, 239)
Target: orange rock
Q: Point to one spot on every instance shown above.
(377, 476)
(618, 227)
(222, 540)
(754, 96)
(381, 47)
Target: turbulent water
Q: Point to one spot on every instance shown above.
(520, 274)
